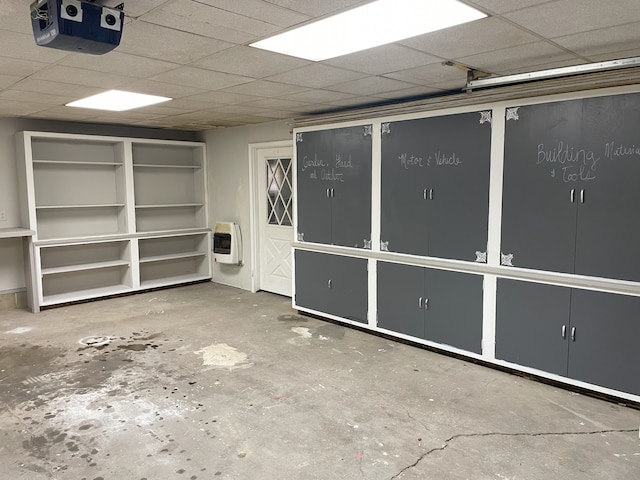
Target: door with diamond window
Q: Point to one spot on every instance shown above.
(275, 168)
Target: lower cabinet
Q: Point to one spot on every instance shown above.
(580, 334)
(332, 284)
(437, 305)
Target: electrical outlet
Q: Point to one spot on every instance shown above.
(3, 216)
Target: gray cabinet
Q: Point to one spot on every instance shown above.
(332, 284)
(437, 305)
(435, 185)
(584, 335)
(334, 186)
(569, 191)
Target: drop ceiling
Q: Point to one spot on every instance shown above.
(196, 51)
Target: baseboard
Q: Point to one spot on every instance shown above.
(13, 301)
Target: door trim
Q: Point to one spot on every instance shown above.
(254, 149)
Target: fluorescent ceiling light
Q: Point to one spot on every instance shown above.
(118, 101)
(371, 25)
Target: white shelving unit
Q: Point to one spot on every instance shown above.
(112, 215)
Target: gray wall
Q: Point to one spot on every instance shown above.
(228, 163)
(11, 265)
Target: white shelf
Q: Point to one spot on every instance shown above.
(149, 165)
(111, 214)
(172, 256)
(79, 295)
(172, 205)
(62, 207)
(84, 266)
(16, 232)
(78, 163)
(176, 280)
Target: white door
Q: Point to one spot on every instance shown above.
(275, 221)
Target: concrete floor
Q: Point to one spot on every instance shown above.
(210, 382)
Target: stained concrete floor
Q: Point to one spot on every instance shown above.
(210, 382)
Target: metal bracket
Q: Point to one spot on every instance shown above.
(506, 260)
(481, 257)
(367, 244)
(301, 237)
(384, 246)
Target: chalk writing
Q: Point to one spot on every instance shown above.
(316, 162)
(408, 161)
(330, 175)
(613, 150)
(444, 159)
(577, 163)
(342, 163)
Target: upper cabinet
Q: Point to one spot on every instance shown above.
(334, 186)
(570, 193)
(435, 186)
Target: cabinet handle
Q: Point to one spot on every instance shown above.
(329, 284)
(328, 192)
(431, 194)
(426, 304)
(573, 195)
(424, 194)
(420, 302)
(333, 193)
(564, 332)
(582, 195)
(573, 334)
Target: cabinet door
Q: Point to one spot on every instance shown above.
(349, 288)
(539, 206)
(529, 325)
(401, 298)
(608, 235)
(311, 282)
(314, 181)
(605, 350)
(351, 202)
(453, 313)
(404, 183)
(459, 155)
(332, 284)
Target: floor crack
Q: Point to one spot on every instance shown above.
(448, 441)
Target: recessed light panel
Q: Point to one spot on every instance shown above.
(377, 23)
(118, 101)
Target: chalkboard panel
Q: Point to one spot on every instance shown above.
(539, 195)
(334, 186)
(570, 193)
(435, 185)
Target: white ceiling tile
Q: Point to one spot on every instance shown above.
(510, 60)
(36, 97)
(565, 17)
(19, 68)
(15, 16)
(483, 35)
(384, 59)
(227, 98)
(316, 75)
(251, 62)
(318, 96)
(163, 89)
(188, 105)
(259, 9)
(208, 21)
(263, 88)
(79, 76)
(317, 8)
(67, 113)
(275, 103)
(603, 41)
(429, 74)
(239, 109)
(23, 46)
(616, 55)
(356, 102)
(55, 88)
(371, 86)
(137, 8)
(161, 43)
(11, 108)
(201, 78)
(119, 63)
(502, 6)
